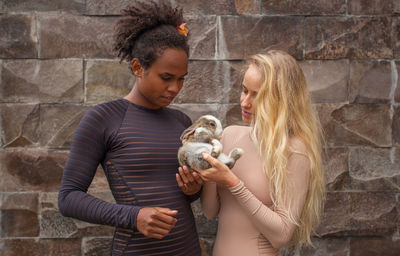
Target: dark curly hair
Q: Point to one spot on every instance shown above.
(146, 29)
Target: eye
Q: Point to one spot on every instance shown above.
(212, 124)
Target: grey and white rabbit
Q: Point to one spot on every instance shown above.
(204, 136)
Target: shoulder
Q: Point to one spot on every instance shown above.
(236, 130)
(180, 116)
(296, 145)
(107, 113)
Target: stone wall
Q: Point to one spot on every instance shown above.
(56, 61)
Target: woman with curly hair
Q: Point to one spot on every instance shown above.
(274, 194)
(136, 139)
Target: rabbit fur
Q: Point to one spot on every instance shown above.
(204, 136)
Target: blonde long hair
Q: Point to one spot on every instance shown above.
(283, 110)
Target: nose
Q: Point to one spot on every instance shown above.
(175, 86)
(246, 102)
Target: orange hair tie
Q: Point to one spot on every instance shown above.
(182, 29)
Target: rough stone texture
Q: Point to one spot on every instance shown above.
(31, 170)
(359, 214)
(65, 36)
(303, 7)
(96, 246)
(255, 36)
(45, 81)
(222, 77)
(19, 215)
(370, 82)
(106, 7)
(18, 36)
(40, 247)
(396, 35)
(19, 125)
(202, 36)
(374, 246)
(354, 38)
(397, 86)
(396, 7)
(327, 80)
(75, 6)
(349, 125)
(204, 226)
(58, 124)
(396, 126)
(360, 7)
(220, 7)
(335, 167)
(107, 80)
(325, 247)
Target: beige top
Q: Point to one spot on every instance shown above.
(247, 223)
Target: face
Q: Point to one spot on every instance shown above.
(158, 85)
(251, 85)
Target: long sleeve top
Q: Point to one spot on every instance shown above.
(137, 148)
(248, 224)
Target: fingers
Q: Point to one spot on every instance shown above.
(156, 222)
(186, 175)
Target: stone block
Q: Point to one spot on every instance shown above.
(220, 7)
(106, 7)
(353, 38)
(18, 36)
(374, 246)
(375, 169)
(204, 226)
(377, 7)
(240, 36)
(58, 124)
(308, 7)
(40, 247)
(75, 6)
(396, 36)
(107, 80)
(211, 82)
(352, 125)
(396, 7)
(66, 36)
(325, 247)
(202, 36)
(335, 163)
(31, 170)
(327, 81)
(359, 214)
(44, 81)
(396, 126)
(19, 215)
(96, 246)
(206, 245)
(370, 82)
(397, 90)
(19, 125)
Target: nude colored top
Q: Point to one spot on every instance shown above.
(247, 222)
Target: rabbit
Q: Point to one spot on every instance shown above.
(203, 136)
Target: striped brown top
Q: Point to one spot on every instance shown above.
(137, 148)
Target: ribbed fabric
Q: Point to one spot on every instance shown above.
(137, 148)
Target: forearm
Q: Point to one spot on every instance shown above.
(83, 206)
(209, 200)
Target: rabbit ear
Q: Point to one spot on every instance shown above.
(188, 131)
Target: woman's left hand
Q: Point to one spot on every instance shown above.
(218, 172)
(189, 182)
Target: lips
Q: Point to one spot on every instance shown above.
(246, 114)
(168, 98)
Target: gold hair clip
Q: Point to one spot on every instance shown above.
(182, 29)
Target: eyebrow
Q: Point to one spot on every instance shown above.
(166, 73)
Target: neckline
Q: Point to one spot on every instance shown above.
(158, 110)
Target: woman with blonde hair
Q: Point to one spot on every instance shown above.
(274, 195)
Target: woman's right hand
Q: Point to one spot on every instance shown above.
(155, 222)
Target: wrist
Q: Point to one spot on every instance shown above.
(232, 181)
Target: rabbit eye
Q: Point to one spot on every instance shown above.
(212, 124)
